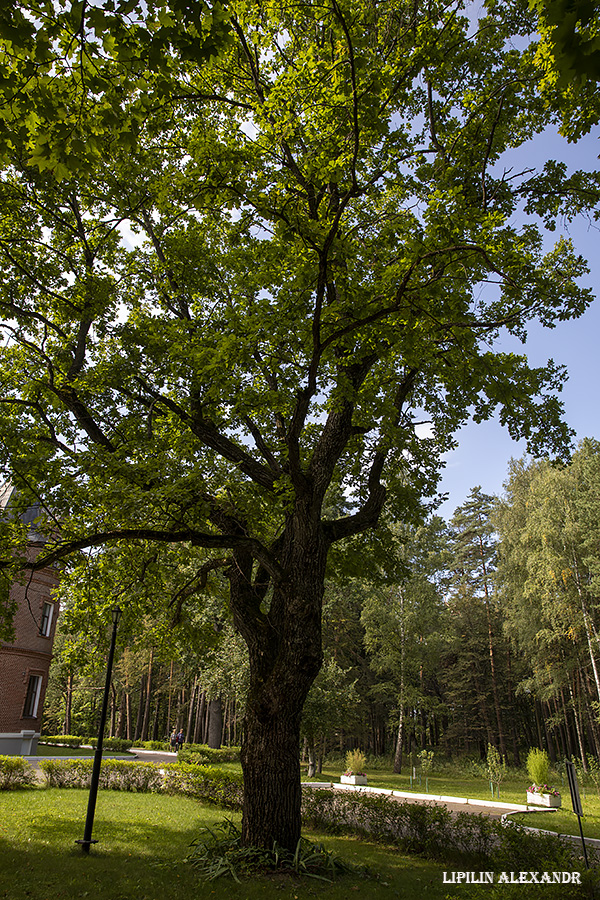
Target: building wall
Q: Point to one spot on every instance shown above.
(30, 654)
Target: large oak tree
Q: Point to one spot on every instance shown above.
(291, 257)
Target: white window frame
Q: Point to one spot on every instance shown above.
(32, 697)
(47, 616)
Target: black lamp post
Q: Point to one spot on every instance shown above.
(89, 822)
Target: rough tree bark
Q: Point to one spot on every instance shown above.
(215, 723)
(285, 657)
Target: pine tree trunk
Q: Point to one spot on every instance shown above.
(68, 705)
(113, 709)
(495, 691)
(215, 723)
(400, 733)
(198, 730)
(121, 720)
(169, 728)
(188, 730)
(156, 725)
(146, 720)
(312, 759)
(128, 714)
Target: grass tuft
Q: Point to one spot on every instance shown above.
(219, 852)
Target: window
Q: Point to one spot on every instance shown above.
(33, 697)
(46, 622)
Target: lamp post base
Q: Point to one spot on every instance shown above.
(85, 844)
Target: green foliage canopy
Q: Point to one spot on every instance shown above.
(327, 248)
(254, 294)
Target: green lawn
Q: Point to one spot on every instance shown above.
(143, 839)
(52, 750)
(513, 790)
(564, 821)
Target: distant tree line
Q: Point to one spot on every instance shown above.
(483, 630)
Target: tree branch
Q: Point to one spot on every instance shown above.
(188, 535)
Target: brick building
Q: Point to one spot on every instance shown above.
(25, 663)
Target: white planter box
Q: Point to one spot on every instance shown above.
(543, 800)
(353, 779)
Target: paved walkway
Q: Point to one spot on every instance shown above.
(492, 808)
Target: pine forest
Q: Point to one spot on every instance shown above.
(456, 635)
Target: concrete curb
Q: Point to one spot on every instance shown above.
(143, 750)
(589, 842)
(411, 795)
(440, 798)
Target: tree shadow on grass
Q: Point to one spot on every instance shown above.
(130, 862)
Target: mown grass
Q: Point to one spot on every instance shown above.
(513, 790)
(563, 821)
(143, 839)
(53, 750)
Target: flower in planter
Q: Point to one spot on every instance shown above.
(543, 789)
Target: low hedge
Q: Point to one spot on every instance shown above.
(202, 755)
(435, 832)
(15, 772)
(119, 744)
(115, 774)
(203, 783)
(160, 746)
(65, 740)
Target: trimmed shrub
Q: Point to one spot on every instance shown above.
(205, 783)
(160, 746)
(435, 832)
(209, 785)
(15, 772)
(118, 744)
(115, 774)
(202, 755)
(63, 740)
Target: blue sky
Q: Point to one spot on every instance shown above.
(484, 450)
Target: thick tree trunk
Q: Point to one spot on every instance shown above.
(285, 657)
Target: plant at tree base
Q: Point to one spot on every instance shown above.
(221, 852)
(303, 250)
